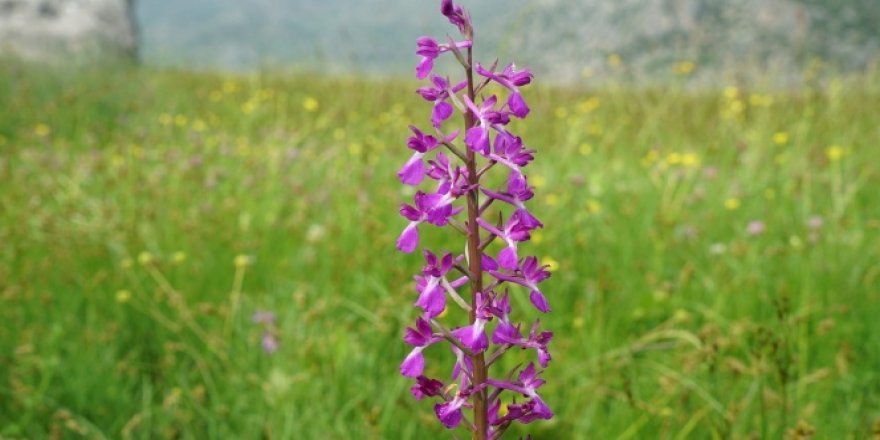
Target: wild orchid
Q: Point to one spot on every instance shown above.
(493, 399)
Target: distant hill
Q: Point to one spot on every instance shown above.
(559, 38)
(370, 35)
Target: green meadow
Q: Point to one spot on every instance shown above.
(716, 258)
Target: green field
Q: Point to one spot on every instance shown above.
(146, 215)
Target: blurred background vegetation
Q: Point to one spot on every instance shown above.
(562, 40)
(716, 249)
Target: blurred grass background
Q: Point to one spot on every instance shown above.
(716, 257)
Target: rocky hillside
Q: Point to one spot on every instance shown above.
(56, 29)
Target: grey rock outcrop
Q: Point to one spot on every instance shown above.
(60, 29)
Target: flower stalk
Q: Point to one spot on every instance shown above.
(474, 258)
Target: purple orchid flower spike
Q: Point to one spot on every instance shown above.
(527, 384)
(450, 179)
(510, 152)
(457, 16)
(420, 337)
(539, 341)
(518, 192)
(500, 307)
(429, 49)
(463, 364)
(413, 171)
(512, 233)
(477, 137)
(439, 93)
(474, 336)
(449, 413)
(529, 276)
(512, 80)
(432, 208)
(507, 333)
(458, 185)
(432, 283)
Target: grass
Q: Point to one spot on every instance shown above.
(146, 215)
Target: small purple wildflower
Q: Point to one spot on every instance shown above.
(512, 80)
(456, 188)
(269, 339)
(430, 49)
(263, 317)
(439, 93)
(515, 231)
(419, 337)
(530, 275)
(755, 228)
(269, 342)
(435, 209)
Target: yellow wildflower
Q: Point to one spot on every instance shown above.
(42, 130)
(673, 158)
(684, 67)
(145, 258)
(242, 261)
(585, 149)
(355, 149)
(310, 104)
(614, 60)
(230, 86)
(249, 107)
(690, 160)
(732, 203)
(731, 92)
(834, 152)
(758, 100)
(737, 106)
(552, 265)
(539, 181)
(589, 105)
(123, 296)
(780, 138)
(178, 257)
(537, 237)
